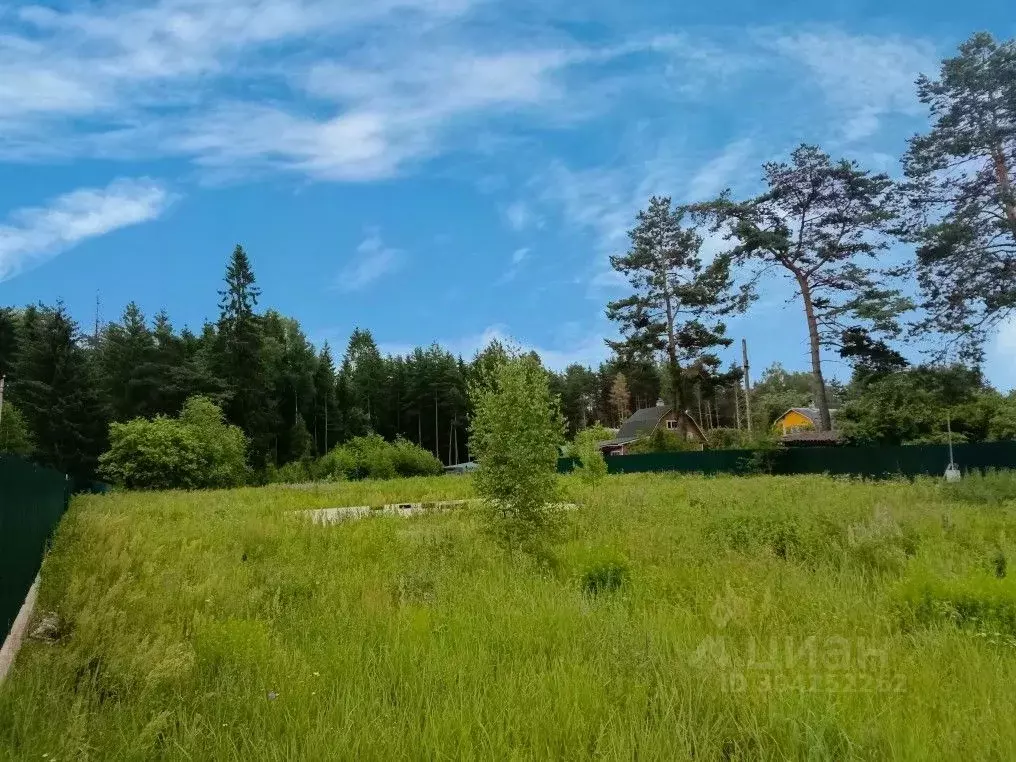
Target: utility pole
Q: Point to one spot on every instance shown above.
(2, 380)
(747, 384)
(737, 405)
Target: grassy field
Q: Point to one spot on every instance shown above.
(681, 617)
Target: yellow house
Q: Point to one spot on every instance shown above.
(797, 419)
(799, 427)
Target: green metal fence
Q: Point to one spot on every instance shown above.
(873, 462)
(32, 500)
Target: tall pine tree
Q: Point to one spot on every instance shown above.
(676, 298)
(821, 222)
(962, 193)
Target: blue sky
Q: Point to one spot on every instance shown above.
(433, 170)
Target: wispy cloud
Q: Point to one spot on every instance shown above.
(520, 216)
(518, 257)
(33, 235)
(863, 77)
(371, 260)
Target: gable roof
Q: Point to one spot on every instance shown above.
(811, 413)
(644, 422)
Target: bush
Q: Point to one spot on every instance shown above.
(592, 466)
(739, 439)
(197, 450)
(412, 460)
(14, 435)
(662, 440)
(367, 457)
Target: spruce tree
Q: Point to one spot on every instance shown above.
(239, 357)
(126, 351)
(57, 392)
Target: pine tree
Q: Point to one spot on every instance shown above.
(326, 417)
(239, 357)
(821, 223)
(675, 297)
(961, 191)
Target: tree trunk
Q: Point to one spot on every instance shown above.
(818, 382)
(1005, 187)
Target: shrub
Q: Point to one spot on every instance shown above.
(592, 466)
(336, 464)
(739, 439)
(412, 460)
(197, 450)
(14, 435)
(662, 440)
(367, 457)
(515, 431)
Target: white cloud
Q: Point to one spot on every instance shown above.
(371, 261)
(864, 77)
(519, 255)
(33, 235)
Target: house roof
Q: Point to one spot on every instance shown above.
(616, 442)
(813, 437)
(644, 422)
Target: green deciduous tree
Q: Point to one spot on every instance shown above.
(197, 450)
(961, 191)
(15, 437)
(675, 298)
(515, 430)
(822, 223)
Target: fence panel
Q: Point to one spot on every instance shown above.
(32, 500)
(874, 462)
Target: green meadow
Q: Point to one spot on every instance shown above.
(677, 617)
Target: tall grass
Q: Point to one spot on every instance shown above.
(683, 617)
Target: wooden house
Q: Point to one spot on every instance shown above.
(644, 423)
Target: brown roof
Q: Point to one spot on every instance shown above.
(812, 437)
